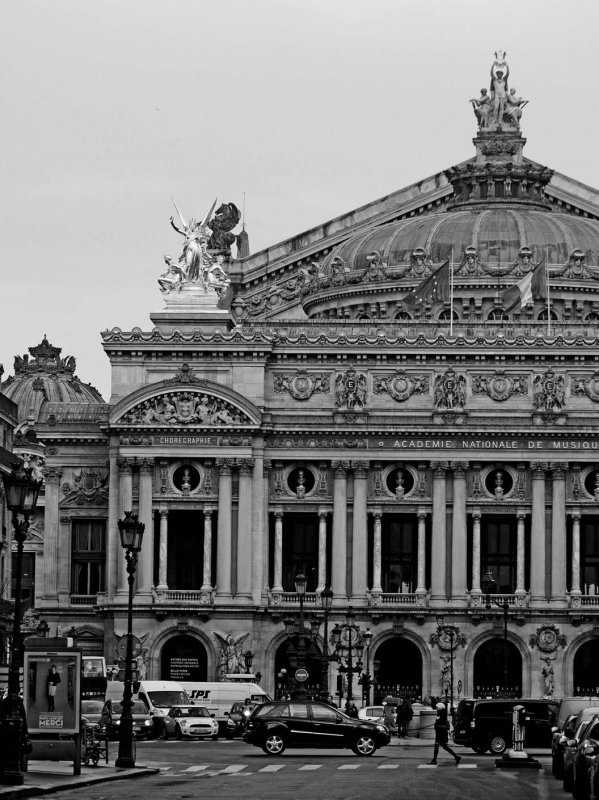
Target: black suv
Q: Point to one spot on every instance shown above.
(275, 726)
(487, 724)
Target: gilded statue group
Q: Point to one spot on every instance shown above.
(206, 243)
(499, 105)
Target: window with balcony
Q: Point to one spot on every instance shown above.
(88, 556)
(589, 555)
(498, 551)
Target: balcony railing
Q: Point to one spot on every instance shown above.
(83, 599)
(513, 600)
(292, 599)
(195, 597)
(583, 600)
(396, 600)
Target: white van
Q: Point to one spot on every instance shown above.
(219, 696)
(158, 696)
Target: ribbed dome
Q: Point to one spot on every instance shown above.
(46, 378)
(497, 233)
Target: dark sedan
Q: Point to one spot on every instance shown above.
(559, 740)
(585, 720)
(142, 721)
(274, 726)
(584, 758)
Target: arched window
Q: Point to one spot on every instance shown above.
(498, 315)
(592, 317)
(445, 315)
(402, 315)
(543, 315)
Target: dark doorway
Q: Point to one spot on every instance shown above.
(397, 669)
(586, 669)
(286, 663)
(497, 670)
(185, 549)
(183, 658)
(399, 553)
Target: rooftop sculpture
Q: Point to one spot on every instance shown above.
(498, 107)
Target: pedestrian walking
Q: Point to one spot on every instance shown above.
(404, 717)
(442, 734)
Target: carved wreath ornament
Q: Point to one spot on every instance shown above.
(588, 386)
(302, 385)
(547, 638)
(400, 386)
(185, 408)
(499, 386)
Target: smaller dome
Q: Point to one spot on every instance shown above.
(46, 378)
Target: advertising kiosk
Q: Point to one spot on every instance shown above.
(52, 698)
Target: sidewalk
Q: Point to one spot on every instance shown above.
(44, 777)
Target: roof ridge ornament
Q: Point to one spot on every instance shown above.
(499, 108)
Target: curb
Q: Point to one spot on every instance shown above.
(73, 782)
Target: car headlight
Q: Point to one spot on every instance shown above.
(382, 729)
(147, 722)
(230, 723)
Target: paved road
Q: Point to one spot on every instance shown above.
(214, 770)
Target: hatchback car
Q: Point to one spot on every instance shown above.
(193, 722)
(142, 721)
(275, 726)
(372, 713)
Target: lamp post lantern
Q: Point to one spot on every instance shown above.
(343, 650)
(21, 491)
(366, 678)
(131, 531)
(248, 658)
(326, 597)
(489, 587)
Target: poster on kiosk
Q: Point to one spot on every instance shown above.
(52, 691)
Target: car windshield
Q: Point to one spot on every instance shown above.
(166, 699)
(91, 707)
(137, 708)
(194, 711)
(237, 708)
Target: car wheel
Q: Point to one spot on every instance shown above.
(273, 745)
(497, 745)
(364, 746)
(178, 733)
(480, 748)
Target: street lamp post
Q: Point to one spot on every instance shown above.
(354, 643)
(21, 490)
(326, 597)
(366, 680)
(300, 652)
(131, 531)
(489, 587)
(450, 632)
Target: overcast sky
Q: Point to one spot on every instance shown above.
(310, 107)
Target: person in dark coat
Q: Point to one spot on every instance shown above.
(51, 686)
(442, 734)
(404, 717)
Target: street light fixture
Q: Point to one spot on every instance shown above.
(489, 587)
(248, 658)
(345, 651)
(21, 490)
(131, 531)
(449, 631)
(326, 598)
(366, 678)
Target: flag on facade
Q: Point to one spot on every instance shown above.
(434, 289)
(531, 287)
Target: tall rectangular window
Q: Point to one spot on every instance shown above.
(27, 580)
(498, 546)
(88, 556)
(589, 555)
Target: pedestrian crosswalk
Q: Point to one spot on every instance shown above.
(210, 770)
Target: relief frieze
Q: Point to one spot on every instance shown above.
(185, 408)
(301, 385)
(351, 389)
(588, 386)
(400, 386)
(500, 386)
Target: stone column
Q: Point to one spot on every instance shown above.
(558, 535)
(163, 549)
(458, 534)
(259, 528)
(51, 560)
(322, 549)
(244, 530)
(278, 554)
(377, 552)
(145, 568)
(421, 578)
(223, 549)
(575, 590)
(339, 560)
(207, 565)
(360, 533)
(538, 592)
(113, 545)
(520, 553)
(125, 504)
(439, 555)
(476, 551)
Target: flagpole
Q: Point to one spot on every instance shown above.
(451, 295)
(548, 300)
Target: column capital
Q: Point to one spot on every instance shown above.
(225, 465)
(377, 513)
(340, 468)
(476, 513)
(208, 513)
(521, 513)
(360, 469)
(146, 465)
(246, 466)
(267, 464)
(439, 468)
(125, 465)
(558, 470)
(538, 469)
(278, 512)
(322, 513)
(459, 468)
(163, 511)
(575, 513)
(421, 512)
(52, 474)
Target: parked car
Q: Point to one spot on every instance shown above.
(195, 722)
(91, 712)
(372, 713)
(584, 722)
(559, 739)
(142, 721)
(274, 726)
(487, 724)
(584, 758)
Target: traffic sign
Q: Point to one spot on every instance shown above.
(301, 675)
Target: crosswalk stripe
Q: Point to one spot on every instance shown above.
(197, 768)
(467, 766)
(427, 766)
(388, 766)
(234, 768)
(307, 767)
(272, 768)
(349, 766)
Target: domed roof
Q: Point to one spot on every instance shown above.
(46, 378)
(498, 233)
